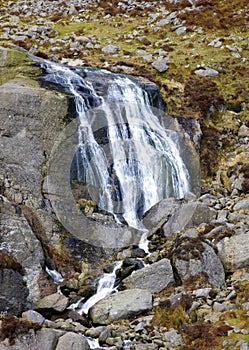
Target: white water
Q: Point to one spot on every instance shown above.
(105, 288)
(56, 277)
(141, 163)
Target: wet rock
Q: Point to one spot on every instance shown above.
(72, 341)
(188, 215)
(234, 251)
(54, 301)
(192, 257)
(122, 305)
(154, 277)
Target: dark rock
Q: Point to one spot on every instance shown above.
(13, 292)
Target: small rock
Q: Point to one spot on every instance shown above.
(33, 316)
(160, 65)
(243, 131)
(206, 72)
(173, 337)
(110, 49)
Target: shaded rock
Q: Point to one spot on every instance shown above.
(154, 277)
(234, 252)
(155, 217)
(13, 292)
(206, 72)
(192, 257)
(54, 301)
(160, 65)
(72, 341)
(188, 215)
(122, 305)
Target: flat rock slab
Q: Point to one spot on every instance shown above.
(122, 305)
(153, 278)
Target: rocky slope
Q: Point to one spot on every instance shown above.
(193, 294)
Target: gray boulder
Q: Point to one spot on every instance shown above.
(56, 301)
(188, 215)
(192, 257)
(155, 217)
(242, 205)
(72, 341)
(17, 238)
(154, 277)
(234, 252)
(122, 305)
(44, 339)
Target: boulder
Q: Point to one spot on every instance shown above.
(72, 341)
(17, 238)
(192, 257)
(234, 252)
(44, 339)
(56, 301)
(155, 217)
(242, 205)
(153, 278)
(13, 292)
(188, 215)
(122, 305)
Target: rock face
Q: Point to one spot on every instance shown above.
(153, 278)
(123, 305)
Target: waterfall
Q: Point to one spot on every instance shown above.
(125, 154)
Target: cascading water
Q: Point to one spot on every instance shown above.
(139, 162)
